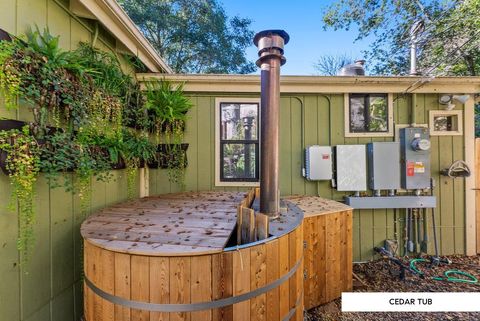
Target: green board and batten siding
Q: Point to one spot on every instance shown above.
(52, 287)
(324, 125)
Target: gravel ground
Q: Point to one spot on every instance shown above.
(382, 276)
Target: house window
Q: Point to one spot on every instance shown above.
(237, 142)
(446, 123)
(368, 115)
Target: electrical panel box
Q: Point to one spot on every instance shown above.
(318, 163)
(384, 165)
(351, 168)
(415, 157)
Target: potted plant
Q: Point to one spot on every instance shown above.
(167, 108)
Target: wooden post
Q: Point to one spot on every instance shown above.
(477, 189)
(471, 218)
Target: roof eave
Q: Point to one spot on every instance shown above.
(322, 84)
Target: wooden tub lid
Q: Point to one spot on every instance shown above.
(314, 205)
(181, 224)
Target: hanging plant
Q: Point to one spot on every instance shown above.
(10, 80)
(136, 149)
(20, 152)
(167, 107)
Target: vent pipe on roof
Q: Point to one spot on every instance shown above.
(415, 30)
(355, 69)
(270, 45)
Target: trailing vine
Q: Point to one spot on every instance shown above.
(9, 79)
(168, 106)
(88, 115)
(22, 160)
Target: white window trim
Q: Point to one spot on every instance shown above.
(391, 130)
(218, 101)
(435, 113)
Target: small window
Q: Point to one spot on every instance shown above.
(238, 142)
(446, 122)
(368, 115)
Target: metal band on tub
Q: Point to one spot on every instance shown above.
(190, 307)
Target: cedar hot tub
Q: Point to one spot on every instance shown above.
(173, 257)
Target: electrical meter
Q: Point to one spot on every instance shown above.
(415, 158)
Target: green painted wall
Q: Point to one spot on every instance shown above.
(49, 288)
(324, 125)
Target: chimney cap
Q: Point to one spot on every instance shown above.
(271, 32)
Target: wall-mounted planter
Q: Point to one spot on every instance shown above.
(4, 156)
(165, 158)
(120, 164)
(9, 124)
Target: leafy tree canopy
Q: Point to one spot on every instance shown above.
(194, 36)
(329, 65)
(449, 44)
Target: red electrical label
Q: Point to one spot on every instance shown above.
(325, 156)
(410, 169)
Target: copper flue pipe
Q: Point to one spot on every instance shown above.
(270, 45)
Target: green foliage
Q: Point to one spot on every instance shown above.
(22, 164)
(47, 46)
(194, 36)
(58, 155)
(88, 99)
(448, 45)
(168, 106)
(135, 148)
(9, 78)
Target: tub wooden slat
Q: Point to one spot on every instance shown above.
(258, 279)
(96, 279)
(107, 282)
(89, 296)
(292, 237)
(299, 303)
(241, 283)
(320, 265)
(222, 283)
(273, 273)
(180, 285)
(140, 285)
(201, 285)
(122, 285)
(159, 285)
(348, 281)
(284, 301)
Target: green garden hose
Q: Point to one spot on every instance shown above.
(413, 266)
(471, 279)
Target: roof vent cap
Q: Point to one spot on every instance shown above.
(355, 69)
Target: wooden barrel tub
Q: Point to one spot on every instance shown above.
(327, 230)
(169, 258)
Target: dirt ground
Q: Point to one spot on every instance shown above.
(382, 276)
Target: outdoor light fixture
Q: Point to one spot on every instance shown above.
(447, 100)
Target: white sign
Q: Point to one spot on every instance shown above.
(410, 301)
